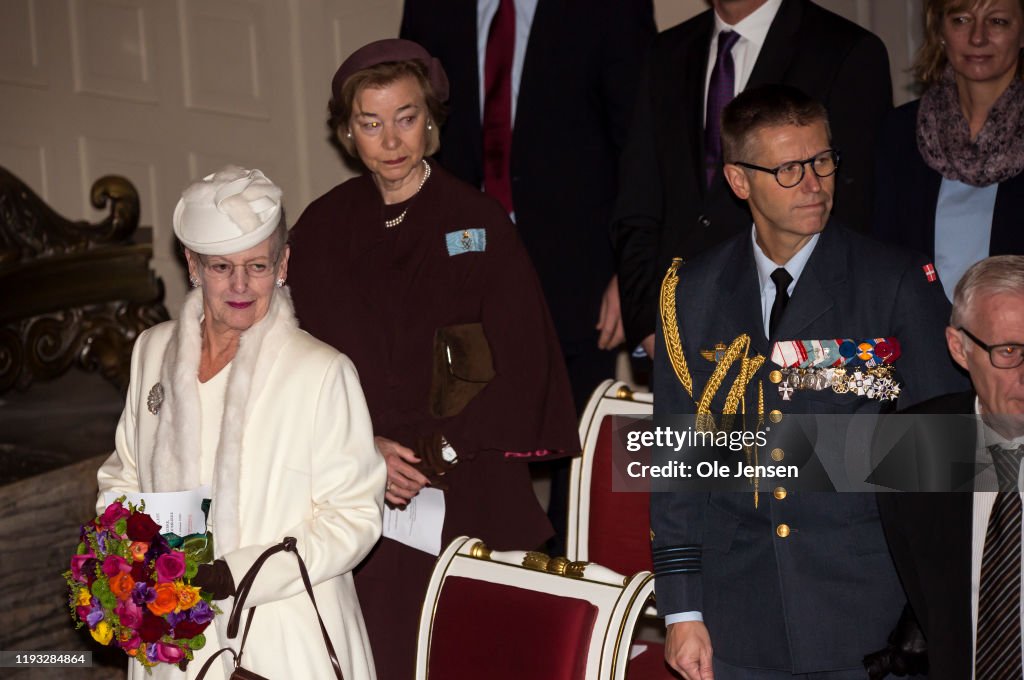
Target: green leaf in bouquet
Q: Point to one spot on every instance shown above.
(197, 642)
(121, 526)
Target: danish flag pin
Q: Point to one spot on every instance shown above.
(929, 272)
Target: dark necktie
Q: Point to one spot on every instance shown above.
(998, 655)
(1007, 464)
(497, 122)
(782, 280)
(720, 92)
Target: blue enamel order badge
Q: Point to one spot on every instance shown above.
(466, 241)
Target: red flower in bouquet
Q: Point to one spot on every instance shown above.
(130, 588)
(141, 527)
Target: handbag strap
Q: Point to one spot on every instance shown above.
(213, 657)
(242, 592)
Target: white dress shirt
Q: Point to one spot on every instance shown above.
(753, 30)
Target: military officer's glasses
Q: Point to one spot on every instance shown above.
(791, 173)
(1001, 356)
(222, 269)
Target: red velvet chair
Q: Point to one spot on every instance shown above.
(513, 615)
(608, 527)
(612, 528)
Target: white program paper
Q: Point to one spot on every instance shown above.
(177, 512)
(418, 524)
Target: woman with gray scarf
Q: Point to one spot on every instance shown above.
(949, 165)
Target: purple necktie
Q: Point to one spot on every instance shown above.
(720, 92)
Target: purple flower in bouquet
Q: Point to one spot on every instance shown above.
(112, 514)
(89, 570)
(142, 593)
(159, 546)
(201, 612)
(151, 654)
(174, 618)
(170, 566)
(94, 616)
(129, 613)
(114, 564)
(168, 653)
(78, 563)
(101, 540)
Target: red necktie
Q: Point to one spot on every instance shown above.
(497, 123)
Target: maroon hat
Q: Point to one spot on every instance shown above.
(391, 49)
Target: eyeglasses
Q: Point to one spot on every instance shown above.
(1001, 356)
(220, 269)
(791, 173)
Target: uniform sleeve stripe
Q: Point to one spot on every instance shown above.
(668, 572)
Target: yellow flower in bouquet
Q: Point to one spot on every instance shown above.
(102, 633)
(188, 596)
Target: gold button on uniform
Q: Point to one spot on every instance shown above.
(775, 415)
(779, 493)
(778, 454)
(782, 530)
(775, 377)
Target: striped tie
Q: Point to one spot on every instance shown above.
(999, 644)
(1007, 464)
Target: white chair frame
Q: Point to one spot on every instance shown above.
(610, 398)
(619, 599)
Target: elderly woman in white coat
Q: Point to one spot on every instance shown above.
(234, 395)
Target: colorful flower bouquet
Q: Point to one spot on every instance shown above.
(131, 587)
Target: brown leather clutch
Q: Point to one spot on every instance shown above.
(462, 368)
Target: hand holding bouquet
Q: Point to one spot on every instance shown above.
(133, 589)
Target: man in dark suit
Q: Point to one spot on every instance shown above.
(666, 208)
(938, 540)
(574, 91)
(573, 76)
(794, 582)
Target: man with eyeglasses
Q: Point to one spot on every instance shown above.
(959, 554)
(794, 583)
(672, 200)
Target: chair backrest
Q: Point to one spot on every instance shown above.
(513, 614)
(607, 527)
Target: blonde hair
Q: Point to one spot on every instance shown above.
(931, 60)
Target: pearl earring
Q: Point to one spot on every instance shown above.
(349, 134)
(279, 282)
(430, 126)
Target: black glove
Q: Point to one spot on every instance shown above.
(906, 653)
(216, 579)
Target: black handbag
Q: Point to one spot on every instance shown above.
(240, 673)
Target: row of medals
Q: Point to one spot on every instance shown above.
(875, 382)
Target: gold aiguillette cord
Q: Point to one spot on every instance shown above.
(735, 400)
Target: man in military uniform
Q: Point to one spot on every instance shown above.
(795, 583)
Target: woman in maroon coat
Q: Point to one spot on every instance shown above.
(386, 261)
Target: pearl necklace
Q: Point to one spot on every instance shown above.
(395, 221)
